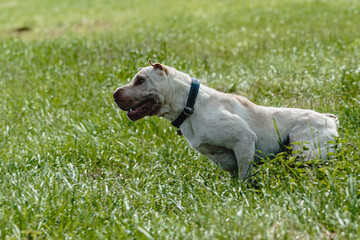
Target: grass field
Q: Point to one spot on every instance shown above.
(72, 166)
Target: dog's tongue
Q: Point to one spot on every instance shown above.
(141, 111)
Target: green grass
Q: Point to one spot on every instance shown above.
(73, 166)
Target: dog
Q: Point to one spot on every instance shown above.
(228, 129)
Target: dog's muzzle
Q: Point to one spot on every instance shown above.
(136, 109)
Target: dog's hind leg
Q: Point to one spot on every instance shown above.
(311, 142)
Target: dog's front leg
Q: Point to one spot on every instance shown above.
(227, 140)
(244, 152)
(233, 153)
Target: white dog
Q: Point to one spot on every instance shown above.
(228, 129)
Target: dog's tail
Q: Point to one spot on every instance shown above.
(333, 117)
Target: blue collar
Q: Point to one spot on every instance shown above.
(189, 107)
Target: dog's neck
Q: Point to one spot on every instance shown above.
(178, 92)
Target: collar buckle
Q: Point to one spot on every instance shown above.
(188, 111)
(189, 107)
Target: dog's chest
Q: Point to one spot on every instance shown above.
(190, 136)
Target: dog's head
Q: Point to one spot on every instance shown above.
(142, 96)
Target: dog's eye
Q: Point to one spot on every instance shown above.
(139, 81)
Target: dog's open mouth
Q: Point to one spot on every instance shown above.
(144, 108)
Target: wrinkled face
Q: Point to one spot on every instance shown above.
(141, 97)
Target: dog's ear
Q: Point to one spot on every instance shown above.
(159, 66)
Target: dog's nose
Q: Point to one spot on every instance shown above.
(117, 92)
